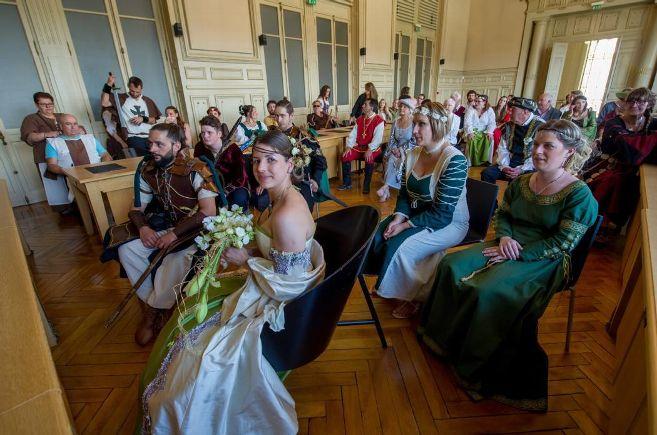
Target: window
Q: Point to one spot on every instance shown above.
(423, 66)
(599, 57)
(402, 60)
(333, 58)
(95, 31)
(19, 77)
(284, 54)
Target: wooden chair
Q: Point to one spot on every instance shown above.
(311, 319)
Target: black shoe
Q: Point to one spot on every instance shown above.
(345, 187)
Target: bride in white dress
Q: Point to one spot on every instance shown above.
(216, 380)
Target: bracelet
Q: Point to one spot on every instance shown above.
(144, 119)
(107, 89)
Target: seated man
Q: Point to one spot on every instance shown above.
(514, 152)
(71, 148)
(363, 143)
(179, 192)
(545, 108)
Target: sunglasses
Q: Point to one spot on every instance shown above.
(315, 105)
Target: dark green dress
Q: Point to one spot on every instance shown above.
(484, 320)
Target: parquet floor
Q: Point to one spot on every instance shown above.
(355, 387)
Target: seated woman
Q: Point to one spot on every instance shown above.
(248, 129)
(482, 314)
(384, 111)
(431, 215)
(479, 126)
(583, 116)
(215, 379)
(629, 140)
(318, 119)
(401, 140)
(173, 117)
(227, 159)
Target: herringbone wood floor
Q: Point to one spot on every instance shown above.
(355, 387)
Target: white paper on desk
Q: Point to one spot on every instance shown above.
(57, 191)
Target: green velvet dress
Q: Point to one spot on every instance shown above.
(484, 319)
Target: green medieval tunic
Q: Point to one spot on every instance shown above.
(484, 320)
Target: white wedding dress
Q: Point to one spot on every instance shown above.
(216, 380)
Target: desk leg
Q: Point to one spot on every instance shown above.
(98, 208)
(83, 206)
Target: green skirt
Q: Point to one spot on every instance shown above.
(486, 324)
(479, 148)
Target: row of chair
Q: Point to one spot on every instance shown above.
(311, 319)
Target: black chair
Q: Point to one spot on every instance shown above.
(311, 319)
(482, 199)
(577, 260)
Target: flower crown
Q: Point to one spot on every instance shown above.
(432, 113)
(300, 154)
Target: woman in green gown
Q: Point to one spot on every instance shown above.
(482, 315)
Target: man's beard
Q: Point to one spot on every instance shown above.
(164, 161)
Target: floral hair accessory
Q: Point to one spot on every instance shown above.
(432, 113)
(300, 154)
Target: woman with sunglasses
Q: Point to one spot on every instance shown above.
(628, 141)
(479, 126)
(318, 119)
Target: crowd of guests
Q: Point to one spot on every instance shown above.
(478, 307)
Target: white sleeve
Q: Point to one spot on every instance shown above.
(351, 139)
(453, 135)
(503, 158)
(490, 126)
(528, 165)
(197, 181)
(377, 137)
(468, 121)
(240, 137)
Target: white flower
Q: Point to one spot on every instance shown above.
(234, 207)
(239, 232)
(246, 240)
(202, 243)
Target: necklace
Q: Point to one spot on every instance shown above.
(549, 184)
(278, 199)
(365, 125)
(436, 148)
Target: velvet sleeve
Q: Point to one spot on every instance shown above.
(318, 163)
(447, 194)
(236, 167)
(579, 213)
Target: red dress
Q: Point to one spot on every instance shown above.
(614, 175)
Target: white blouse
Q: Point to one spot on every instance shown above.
(484, 123)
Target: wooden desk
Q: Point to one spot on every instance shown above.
(31, 398)
(92, 190)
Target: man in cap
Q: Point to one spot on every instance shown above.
(514, 152)
(612, 108)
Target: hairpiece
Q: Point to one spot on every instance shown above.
(432, 113)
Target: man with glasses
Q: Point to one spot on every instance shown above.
(39, 126)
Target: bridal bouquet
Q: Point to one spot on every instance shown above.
(228, 228)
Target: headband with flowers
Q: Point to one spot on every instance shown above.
(432, 113)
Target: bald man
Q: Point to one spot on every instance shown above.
(546, 110)
(71, 148)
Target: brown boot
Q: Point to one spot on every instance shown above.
(163, 317)
(145, 332)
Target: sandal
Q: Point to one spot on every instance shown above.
(406, 310)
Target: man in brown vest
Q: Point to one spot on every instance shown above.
(137, 113)
(173, 194)
(72, 148)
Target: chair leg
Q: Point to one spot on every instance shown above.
(571, 312)
(370, 305)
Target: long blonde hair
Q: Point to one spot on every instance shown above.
(369, 86)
